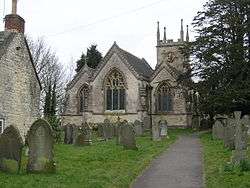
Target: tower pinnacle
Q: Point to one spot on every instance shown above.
(182, 31)
(187, 35)
(164, 37)
(158, 32)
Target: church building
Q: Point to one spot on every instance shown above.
(125, 86)
(19, 84)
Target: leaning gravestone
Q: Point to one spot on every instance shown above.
(40, 143)
(138, 127)
(163, 128)
(156, 132)
(241, 139)
(128, 137)
(11, 146)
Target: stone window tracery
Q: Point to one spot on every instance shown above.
(83, 98)
(115, 91)
(164, 98)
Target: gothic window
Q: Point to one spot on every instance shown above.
(1, 126)
(164, 98)
(115, 91)
(83, 98)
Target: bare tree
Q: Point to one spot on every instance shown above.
(50, 72)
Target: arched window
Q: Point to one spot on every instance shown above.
(115, 91)
(164, 98)
(83, 98)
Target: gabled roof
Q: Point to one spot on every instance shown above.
(172, 70)
(78, 75)
(138, 66)
(141, 66)
(6, 38)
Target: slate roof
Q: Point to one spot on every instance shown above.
(141, 66)
(5, 40)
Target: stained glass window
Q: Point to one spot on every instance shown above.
(115, 91)
(164, 96)
(83, 98)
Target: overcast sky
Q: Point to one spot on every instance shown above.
(69, 27)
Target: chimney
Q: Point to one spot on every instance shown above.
(14, 22)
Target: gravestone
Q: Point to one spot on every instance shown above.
(75, 132)
(196, 121)
(229, 134)
(68, 134)
(246, 122)
(147, 123)
(11, 146)
(138, 127)
(108, 130)
(100, 130)
(81, 140)
(40, 142)
(163, 128)
(128, 137)
(119, 131)
(241, 139)
(156, 133)
(88, 134)
(219, 128)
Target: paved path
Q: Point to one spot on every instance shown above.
(179, 167)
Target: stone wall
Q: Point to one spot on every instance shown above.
(19, 87)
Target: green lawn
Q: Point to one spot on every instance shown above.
(104, 164)
(215, 158)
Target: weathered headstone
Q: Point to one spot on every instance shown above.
(68, 134)
(147, 123)
(40, 142)
(229, 134)
(119, 131)
(241, 139)
(156, 132)
(196, 121)
(163, 128)
(219, 127)
(81, 140)
(100, 130)
(108, 130)
(138, 127)
(75, 133)
(11, 145)
(128, 137)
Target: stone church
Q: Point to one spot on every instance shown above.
(126, 87)
(19, 84)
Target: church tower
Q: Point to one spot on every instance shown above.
(168, 50)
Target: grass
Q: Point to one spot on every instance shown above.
(216, 158)
(104, 164)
